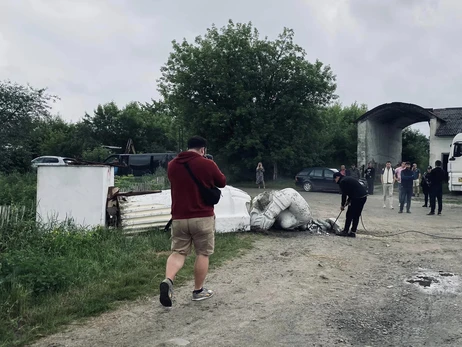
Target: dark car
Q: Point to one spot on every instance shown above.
(139, 164)
(321, 179)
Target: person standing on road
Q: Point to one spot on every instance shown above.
(369, 174)
(425, 184)
(437, 177)
(417, 177)
(405, 194)
(388, 179)
(353, 172)
(343, 170)
(357, 196)
(193, 221)
(398, 174)
(260, 177)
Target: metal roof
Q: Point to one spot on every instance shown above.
(451, 123)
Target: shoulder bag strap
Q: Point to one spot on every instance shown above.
(192, 175)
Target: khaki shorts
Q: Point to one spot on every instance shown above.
(199, 232)
(416, 183)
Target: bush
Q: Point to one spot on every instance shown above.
(18, 189)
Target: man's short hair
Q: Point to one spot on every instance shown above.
(197, 142)
(388, 162)
(438, 163)
(408, 163)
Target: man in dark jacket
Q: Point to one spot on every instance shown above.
(425, 184)
(405, 194)
(357, 196)
(369, 174)
(437, 177)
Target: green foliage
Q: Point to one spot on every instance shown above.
(97, 154)
(252, 98)
(21, 107)
(130, 183)
(416, 147)
(50, 277)
(340, 135)
(147, 127)
(18, 189)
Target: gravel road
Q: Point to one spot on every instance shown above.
(299, 289)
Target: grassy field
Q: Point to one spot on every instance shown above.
(52, 277)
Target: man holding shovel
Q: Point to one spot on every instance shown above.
(357, 197)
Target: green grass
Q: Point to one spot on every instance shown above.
(52, 277)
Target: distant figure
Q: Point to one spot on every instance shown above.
(354, 172)
(425, 184)
(398, 173)
(417, 176)
(343, 170)
(260, 178)
(405, 194)
(437, 177)
(369, 174)
(388, 179)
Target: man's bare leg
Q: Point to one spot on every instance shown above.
(201, 268)
(174, 263)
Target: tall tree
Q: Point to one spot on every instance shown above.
(416, 147)
(252, 98)
(21, 107)
(340, 135)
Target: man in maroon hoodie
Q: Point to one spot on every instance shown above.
(193, 220)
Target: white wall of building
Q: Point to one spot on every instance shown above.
(438, 144)
(77, 193)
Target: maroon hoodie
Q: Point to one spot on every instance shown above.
(186, 199)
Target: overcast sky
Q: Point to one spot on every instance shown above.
(96, 51)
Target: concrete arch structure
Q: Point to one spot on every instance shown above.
(380, 131)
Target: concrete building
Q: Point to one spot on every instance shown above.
(379, 132)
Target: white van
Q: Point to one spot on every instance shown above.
(455, 165)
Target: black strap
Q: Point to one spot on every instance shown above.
(168, 225)
(192, 176)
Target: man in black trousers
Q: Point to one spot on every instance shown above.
(357, 197)
(437, 177)
(369, 174)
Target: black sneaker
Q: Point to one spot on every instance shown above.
(400, 211)
(351, 234)
(343, 233)
(166, 293)
(408, 211)
(430, 213)
(439, 213)
(424, 206)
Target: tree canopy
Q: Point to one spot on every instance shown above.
(253, 99)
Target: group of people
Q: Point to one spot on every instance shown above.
(410, 180)
(193, 219)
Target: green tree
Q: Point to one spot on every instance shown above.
(113, 126)
(340, 133)
(21, 108)
(416, 147)
(252, 98)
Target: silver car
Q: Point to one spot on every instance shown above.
(51, 160)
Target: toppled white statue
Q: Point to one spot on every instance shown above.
(288, 210)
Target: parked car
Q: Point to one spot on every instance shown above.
(139, 164)
(51, 160)
(320, 179)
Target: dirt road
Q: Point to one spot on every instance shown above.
(298, 289)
